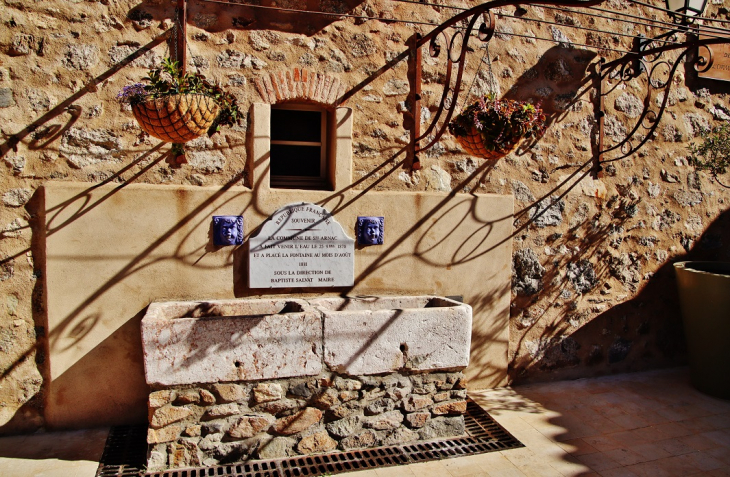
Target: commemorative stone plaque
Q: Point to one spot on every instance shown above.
(301, 245)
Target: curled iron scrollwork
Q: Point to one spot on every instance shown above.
(704, 63)
(646, 58)
(458, 46)
(659, 79)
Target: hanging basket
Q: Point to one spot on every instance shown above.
(473, 143)
(177, 118)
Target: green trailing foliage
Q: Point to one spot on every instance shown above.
(168, 80)
(502, 123)
(713, 152)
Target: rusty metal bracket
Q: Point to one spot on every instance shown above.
(412, 117)
(181, 30)
(457, 46)
(600, 116)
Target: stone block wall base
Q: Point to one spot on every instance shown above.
(212, 424)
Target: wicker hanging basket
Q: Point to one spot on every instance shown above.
(177, 118)
(473, 143)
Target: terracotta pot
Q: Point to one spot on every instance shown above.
(473, 143)
(177, 118)
(704, 296)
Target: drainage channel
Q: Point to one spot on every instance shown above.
(125, 454)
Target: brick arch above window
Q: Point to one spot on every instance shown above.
(299, 84)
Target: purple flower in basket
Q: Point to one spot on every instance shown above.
(132, 93)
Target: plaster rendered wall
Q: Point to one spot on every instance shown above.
(113, 250)
(592, 289)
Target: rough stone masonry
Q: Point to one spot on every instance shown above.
(222, 423)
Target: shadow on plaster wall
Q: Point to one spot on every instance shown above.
(485, 334)
(77, 329)
(78, 324)
(639, 334)
(84, 391)
(452, 204)
(68, 330)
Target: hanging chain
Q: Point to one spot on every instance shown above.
(178, 149)
(476, 75)
(175, 33)
(177, 28)
(191, 57)
(492, 82)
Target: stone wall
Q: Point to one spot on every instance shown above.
(593, 288)
(229, 422)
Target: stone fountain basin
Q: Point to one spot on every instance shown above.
(249, 340)
(230, 340)
(384, 334)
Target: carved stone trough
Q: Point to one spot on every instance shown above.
(365, 336)
(234, 380)
(232, 340)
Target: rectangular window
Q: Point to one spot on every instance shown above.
(298, 147)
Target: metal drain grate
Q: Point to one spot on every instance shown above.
(125, 452)
(483, 435)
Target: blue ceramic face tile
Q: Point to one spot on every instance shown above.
(370, 230)
(227, 230)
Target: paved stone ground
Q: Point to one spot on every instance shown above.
(52, 454)
(642, 424)
(650, 424)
